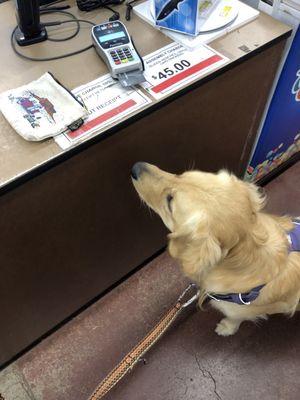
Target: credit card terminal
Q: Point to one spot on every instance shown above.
(113, 44)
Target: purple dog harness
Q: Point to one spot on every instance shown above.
(247, 298)
(294, 236)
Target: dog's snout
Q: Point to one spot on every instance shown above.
(138, 169)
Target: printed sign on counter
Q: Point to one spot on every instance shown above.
(107, 102)
(173, 66)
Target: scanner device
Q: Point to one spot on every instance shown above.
(114, 45)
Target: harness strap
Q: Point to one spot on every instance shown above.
(294, 236)
(246, 298)
(238, 298)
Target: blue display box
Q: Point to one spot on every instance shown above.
(280, 136)
(177, 15)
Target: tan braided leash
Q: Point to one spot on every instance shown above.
(136, 354)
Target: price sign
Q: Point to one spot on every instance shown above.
(173, 66)
(169, 71)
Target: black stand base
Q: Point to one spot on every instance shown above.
(26, 41)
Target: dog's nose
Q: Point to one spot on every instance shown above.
(138, 169)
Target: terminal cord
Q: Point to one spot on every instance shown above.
(53, 8)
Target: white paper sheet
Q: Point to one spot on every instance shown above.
(107, 102)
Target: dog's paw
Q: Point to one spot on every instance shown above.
(227, 327)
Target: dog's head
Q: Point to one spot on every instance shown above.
(206, 213)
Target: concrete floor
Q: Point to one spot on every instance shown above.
(190, 362)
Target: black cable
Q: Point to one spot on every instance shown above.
(84, 5)
(51, 4)
(50, 11)
(69, 20)
(141, 58)
(56, 57)
(129, 9)
(89, 5)
(46, 10)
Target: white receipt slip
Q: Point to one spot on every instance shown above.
(107, 103)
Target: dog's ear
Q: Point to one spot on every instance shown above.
(195, 245)
(256, 197)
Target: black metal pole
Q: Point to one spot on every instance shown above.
(29, 30)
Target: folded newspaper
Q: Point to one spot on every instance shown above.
(42, 109)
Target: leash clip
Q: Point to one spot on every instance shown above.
(192, 299)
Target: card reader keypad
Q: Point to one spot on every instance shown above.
(121, 56)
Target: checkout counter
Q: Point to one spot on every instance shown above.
(71, 224)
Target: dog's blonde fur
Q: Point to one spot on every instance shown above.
(224, 240)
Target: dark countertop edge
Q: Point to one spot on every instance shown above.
(21, 179)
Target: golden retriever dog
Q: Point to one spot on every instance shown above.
(225, 242)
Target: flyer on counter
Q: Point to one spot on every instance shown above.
(173, 66)
(107, 102)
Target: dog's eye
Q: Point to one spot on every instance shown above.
(169, 200)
